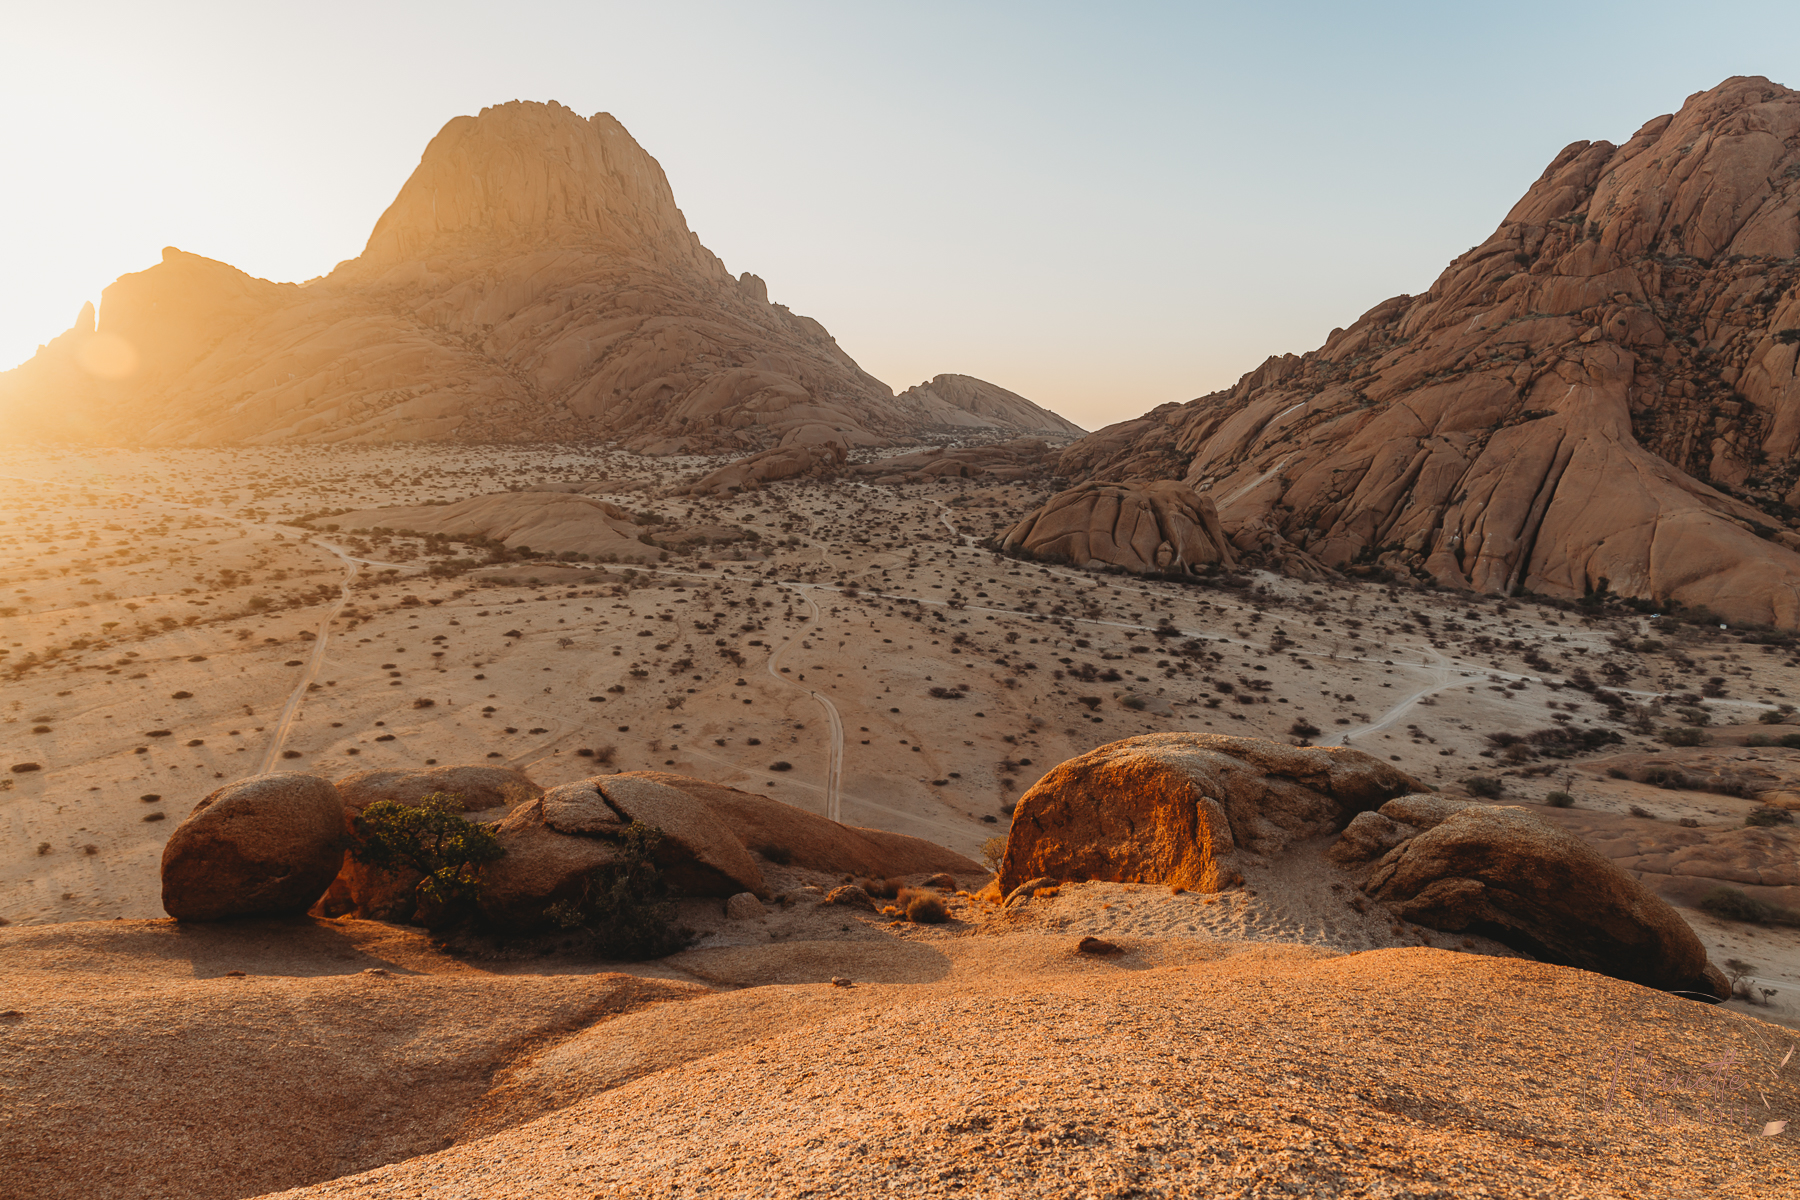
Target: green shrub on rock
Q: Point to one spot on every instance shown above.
(623, 906)
(435, 840)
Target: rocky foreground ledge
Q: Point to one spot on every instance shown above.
(818, 1042)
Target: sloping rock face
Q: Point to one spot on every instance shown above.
(1602, 395)
(965, 402)
(808, 840)
(268, 845)
(533, 281)
(1501, 873)
(1020, 458)
(1157, 527)
(1178, 807)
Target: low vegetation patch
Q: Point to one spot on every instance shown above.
(623, 912)
(434, 839)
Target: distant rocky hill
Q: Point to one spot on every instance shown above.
(533, 281)
(1600, 397)
(962, 401)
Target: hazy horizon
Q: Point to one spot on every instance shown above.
(1102, 212)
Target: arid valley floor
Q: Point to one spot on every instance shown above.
(863, 657)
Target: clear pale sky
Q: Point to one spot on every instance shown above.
(1103, 207)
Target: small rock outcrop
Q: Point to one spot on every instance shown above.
(810, 460)
(268, 845)
(1176, 808)
(1021, 458)
(1503, 874)
(1159, 527)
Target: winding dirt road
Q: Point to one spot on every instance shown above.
(834, 760)
(315, 662)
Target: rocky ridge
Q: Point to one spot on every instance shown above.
(1600, 397)
(532, 281)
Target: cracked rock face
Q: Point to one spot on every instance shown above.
(1602, 395)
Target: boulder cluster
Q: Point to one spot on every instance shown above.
(1196, 810)
(279, 844)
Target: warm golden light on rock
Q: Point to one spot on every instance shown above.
(108, 356)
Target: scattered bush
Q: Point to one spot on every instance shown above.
(1303, 729)
(1731, 904)
(1484, 786)
(1679, 735)
(992, 851)
(1768, 815)
(781, 766)
(1560, 800)
(435, 840)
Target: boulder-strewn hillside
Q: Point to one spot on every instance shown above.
(533, 281)
(1602, 395)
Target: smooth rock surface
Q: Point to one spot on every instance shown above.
(268, 845)
(1504, 874)
(478, 787)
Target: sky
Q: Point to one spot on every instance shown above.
(1104, 207)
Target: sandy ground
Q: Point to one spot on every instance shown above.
(164, 631)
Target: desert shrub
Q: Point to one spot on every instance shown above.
(623, 907)
(1484, 786)
(1684, 736)
(924, 908)
(781, 766)
(1134, 702)
(434, 839)
(424, 702)
(1560, 800)
(880, 889)
(1767, 815)
(1694, 716)
(1303, 729)
(992, 851)
(1733, 905)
